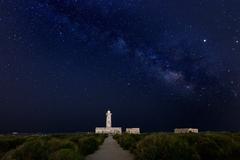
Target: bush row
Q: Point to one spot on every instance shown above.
(55, 147)
(208, 146)
(9, 142)
(128, 141)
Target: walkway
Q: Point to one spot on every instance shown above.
(110, 150)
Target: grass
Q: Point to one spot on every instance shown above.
(160, 146)
(52, 147)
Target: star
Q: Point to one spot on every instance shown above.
(84, 51)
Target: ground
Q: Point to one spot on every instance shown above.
(110, 150)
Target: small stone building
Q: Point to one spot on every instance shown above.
(133, 130)
(186, 130)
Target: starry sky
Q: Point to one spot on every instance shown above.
(157, 64)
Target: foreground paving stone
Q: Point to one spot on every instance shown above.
(110, 150)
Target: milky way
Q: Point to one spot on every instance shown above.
(167, 63)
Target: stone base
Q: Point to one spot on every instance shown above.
(186, 130)
(108, 130)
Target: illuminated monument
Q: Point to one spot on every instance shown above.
(108, 119)
(108, 129)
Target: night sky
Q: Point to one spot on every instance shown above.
(157, 64)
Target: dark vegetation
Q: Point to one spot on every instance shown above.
(204, 146)
(50, 147)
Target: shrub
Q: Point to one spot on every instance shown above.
(217, 147)
(100, 138)
(59, 147)
(9, 142)
(55, 144)
(32, 150)
(207, 146)
(9, 155)
(66, 154)
(128, 141)
(165, 147)
(87, 145)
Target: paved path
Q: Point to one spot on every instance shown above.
(110, 150)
